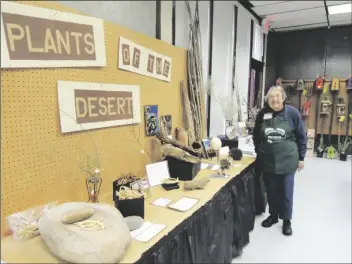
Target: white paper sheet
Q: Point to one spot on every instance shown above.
(221, 176)
(184, 204)
(156, 172)
(161, 202)
(147, 231)
(203, 166)
(216, 167)
(246, 145)
(140, 230)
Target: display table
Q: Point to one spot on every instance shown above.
(214, 231)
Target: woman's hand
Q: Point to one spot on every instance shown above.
(300, 165)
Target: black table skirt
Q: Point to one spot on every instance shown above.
(217, 232)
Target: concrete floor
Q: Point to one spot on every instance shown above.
(321, 219)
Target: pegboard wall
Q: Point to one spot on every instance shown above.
(310, 120)
(38, 163)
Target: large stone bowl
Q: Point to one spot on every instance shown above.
(73, 244)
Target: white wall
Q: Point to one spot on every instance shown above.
(243, 55)
(137, 15)
(222, 62)
(166, 21)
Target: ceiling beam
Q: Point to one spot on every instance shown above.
(327, 13)
(247, 5)
(302, 25)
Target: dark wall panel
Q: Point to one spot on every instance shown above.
(339, 62)
(300, 54)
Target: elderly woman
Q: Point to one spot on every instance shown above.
(280, 142)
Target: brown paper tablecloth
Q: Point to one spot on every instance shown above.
(35, 251)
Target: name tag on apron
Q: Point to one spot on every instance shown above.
(268, 116)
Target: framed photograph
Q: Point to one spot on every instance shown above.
(151, 117)
(206, 143)
(204, 150)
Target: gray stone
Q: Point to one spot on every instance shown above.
(73, 244)
(134, 222)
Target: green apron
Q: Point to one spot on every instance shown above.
(278, 149)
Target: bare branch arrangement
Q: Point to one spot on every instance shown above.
(187, 113)
(236, 91)
(195, 74)
(137, 136)
(227, 103)
(92, 166)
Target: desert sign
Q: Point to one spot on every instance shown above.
(137, 59)
(33, 37)
(84, 106)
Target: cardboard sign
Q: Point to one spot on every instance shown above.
(137, 59)
(84, 106)
(33, 37)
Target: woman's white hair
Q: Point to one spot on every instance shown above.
(276, 87)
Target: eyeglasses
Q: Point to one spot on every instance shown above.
(275, 96)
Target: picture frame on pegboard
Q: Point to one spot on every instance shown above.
(151, 117)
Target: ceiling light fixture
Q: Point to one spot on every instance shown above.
(340, 9)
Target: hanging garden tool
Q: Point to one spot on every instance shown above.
(318, 86)
(300, 87)
(335, 85)
(325, 109)
(306, 105)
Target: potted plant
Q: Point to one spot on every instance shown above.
(321, 148)
(343, 146)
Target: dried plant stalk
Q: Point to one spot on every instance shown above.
(165, 140)
(195, 77)
(126, 193)
(187, 113)
(177, 153)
